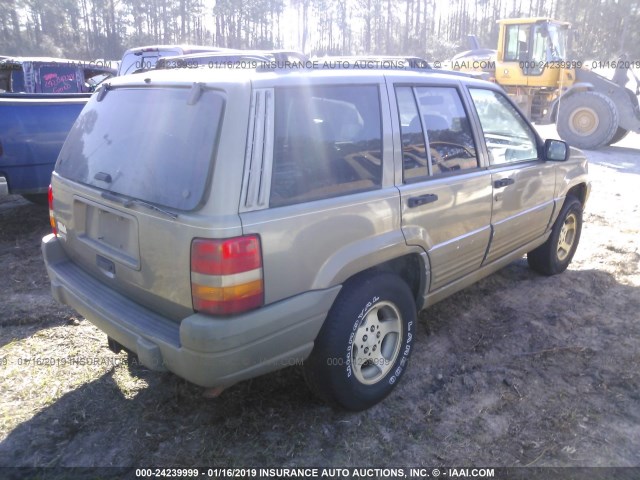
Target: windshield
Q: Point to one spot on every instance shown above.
(153, 144)
(549, 43)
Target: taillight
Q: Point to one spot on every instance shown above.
(226, 275)
(52, 217)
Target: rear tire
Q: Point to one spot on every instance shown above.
(364, 345)
(587, 120)
(555, 255)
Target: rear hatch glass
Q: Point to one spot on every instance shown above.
(152, 144)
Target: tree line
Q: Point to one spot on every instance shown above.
(91, 29)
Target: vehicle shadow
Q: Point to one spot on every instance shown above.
(539, 358)
(20, 219)
(25, 297)
(166, 422)
(530, 357)
(622, 159)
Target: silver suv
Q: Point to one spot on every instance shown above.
(222, 224)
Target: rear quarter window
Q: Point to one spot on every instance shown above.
(328, 142)
(59, 79)
(146, 143)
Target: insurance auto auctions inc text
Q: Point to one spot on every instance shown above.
(375, 473)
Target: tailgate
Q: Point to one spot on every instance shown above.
(141, 255)
(129, 186)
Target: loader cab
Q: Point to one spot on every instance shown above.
(527, 47)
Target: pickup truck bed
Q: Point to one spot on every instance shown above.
(33, 128)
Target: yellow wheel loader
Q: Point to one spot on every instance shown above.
(533, 66)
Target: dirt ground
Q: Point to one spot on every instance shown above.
(516, 370)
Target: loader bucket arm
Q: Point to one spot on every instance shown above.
(625, 100)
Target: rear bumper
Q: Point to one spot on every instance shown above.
(205, 350)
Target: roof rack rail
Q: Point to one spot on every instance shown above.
(386, 62)
(238, 59)
(250, 59)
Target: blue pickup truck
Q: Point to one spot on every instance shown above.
(40, 98)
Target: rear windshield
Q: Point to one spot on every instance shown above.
(148, 143)
(59, 79)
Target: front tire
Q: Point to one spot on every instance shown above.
(587, 120)
(555, 255)
(364, 345)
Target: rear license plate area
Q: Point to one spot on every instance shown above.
(108, 232)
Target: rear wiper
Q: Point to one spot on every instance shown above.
(128, 201)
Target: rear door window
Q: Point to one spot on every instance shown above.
(153, 144)
(414, 153)
(328, 142)
(437, 114)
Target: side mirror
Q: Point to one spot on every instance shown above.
(556, 150)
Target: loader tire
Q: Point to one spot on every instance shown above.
(587, 120)
(619, 135)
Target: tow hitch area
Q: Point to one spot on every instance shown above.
(114, 346)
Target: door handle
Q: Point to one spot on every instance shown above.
(503, 182)
(422, 200)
